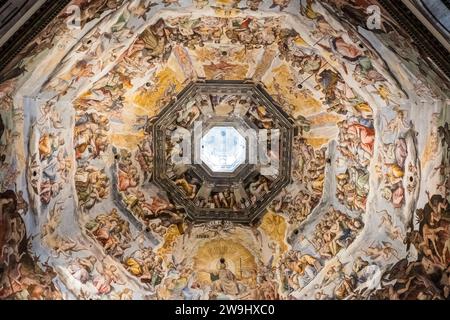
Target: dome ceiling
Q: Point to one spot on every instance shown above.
(99, 180)
(222, 151)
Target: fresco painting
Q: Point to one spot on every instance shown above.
(364, 216)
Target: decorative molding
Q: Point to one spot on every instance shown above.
(423, 38)
(29, 30)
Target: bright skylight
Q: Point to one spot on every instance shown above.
(223, 149)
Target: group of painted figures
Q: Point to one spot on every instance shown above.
(191, 185)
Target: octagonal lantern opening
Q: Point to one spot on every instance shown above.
(223, 173)
(223, 149)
